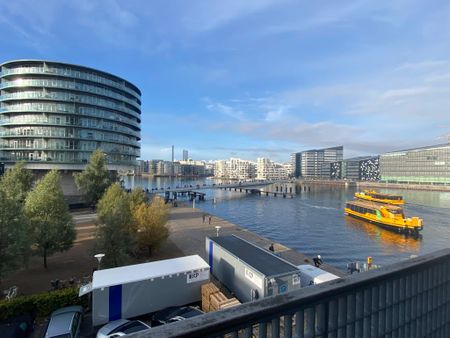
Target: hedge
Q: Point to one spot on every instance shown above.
(41, 304)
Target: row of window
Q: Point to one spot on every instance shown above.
(359, 209)
(69, 133)
(72, 85)
(59, 156)
(66, 96)
(69, 72)
(68, 145)
(68, 120)
(63, 108)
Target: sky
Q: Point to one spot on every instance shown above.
(257, 78)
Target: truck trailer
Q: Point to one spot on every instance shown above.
(311, 275)
(135, 290)
(248, 271)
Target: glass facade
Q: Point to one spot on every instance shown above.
(316, 163)
(428, 165)
(53, 112)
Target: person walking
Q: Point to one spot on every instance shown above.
(209, 219)
(204, 217)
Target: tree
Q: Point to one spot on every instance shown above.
(95, 179)
(115, 232)
(14, 241)
(151, 219)
(17, 182)
(51, 224)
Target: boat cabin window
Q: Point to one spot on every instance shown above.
(361, 210)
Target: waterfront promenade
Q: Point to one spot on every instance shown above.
(187, 237)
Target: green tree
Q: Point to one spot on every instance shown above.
(115, 234)
(95, 179)
(51, 224)
(14, 242)
(17, 182)
(151, 219)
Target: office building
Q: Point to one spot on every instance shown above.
(316, 163)
(426, 165)
(185, 155)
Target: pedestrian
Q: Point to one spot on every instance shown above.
(318, 261)
(203, 218)
(209, 219)
(271, 248)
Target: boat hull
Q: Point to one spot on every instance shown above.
(391, 227)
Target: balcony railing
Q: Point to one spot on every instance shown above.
(407, 299)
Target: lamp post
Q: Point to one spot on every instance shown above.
(99, 258)
(217, 230)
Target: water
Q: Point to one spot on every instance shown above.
(313, 222)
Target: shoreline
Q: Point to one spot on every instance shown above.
(188, 232)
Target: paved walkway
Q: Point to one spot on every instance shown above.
(188, 232)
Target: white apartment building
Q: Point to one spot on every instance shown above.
(267, 169)
(221, 169)
(241, 169)
(235, 169)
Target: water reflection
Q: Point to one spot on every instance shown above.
(387, 239)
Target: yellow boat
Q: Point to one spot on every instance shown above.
(374, 196)
(387, 216)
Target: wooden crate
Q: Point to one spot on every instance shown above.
(208, 289)
(215, 300)
(229, 303)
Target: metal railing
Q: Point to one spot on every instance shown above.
(407, 299)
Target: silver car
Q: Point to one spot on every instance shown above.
(121, 327)
(65, 323)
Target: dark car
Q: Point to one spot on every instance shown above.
(16, 327)
(175, 314)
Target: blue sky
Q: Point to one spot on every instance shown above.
(257, 78)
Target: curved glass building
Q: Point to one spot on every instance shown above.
(55, 114)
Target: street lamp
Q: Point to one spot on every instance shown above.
(217, 230)
(99, 258)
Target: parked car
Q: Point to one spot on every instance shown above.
(175, 314)
(65, 322)
(16, 327)
(121, 327)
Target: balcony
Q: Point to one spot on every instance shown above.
(407, 299)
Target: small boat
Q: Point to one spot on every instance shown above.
(387, 216)
(374, 196)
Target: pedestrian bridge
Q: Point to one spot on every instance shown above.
(407, 299)
(234, 185)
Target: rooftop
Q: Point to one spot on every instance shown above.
(260, 259)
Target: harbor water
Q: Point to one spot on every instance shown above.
(313, 221)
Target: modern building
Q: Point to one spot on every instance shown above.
(363, 168)
(185, 155)
(241, 169)
(221, 169)
(315, 163)
(267, 169)
(235, 169)
(54, 115)
(296, 164)
(426, 165)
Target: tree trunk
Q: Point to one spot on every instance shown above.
(45, 258)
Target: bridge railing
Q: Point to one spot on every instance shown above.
(407, 299)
